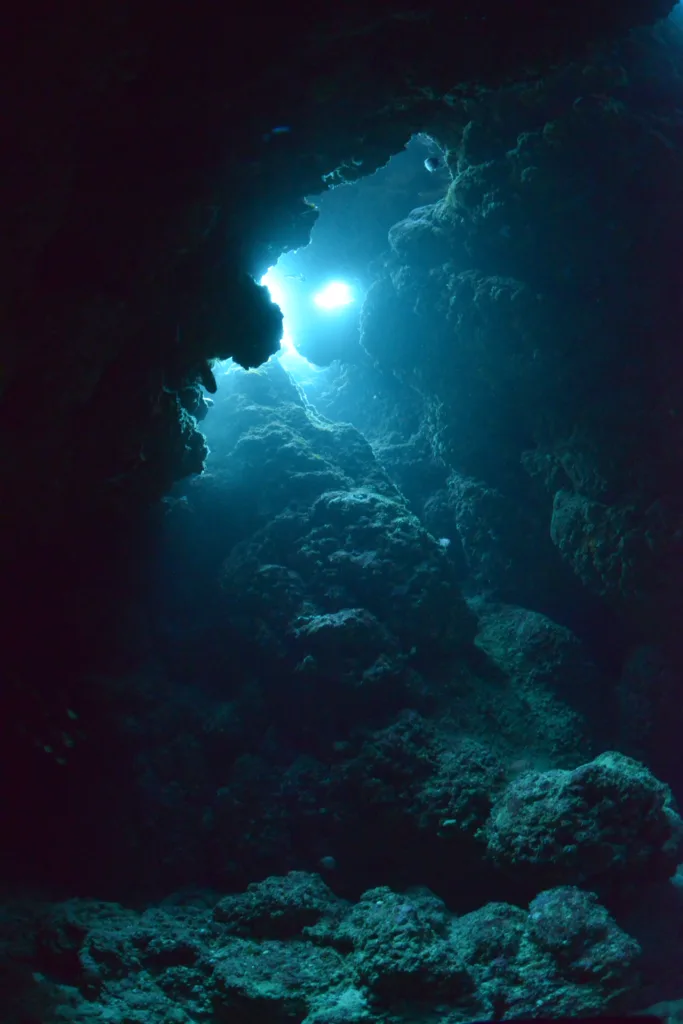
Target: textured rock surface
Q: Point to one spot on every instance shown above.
(318, 958)
(606, 822)
(565, 957)
(551, 675)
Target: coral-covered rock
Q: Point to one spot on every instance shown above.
(366, 544)
(421, 240)
(504, 543)
(608, 821)
(335, 533)
(536, 682)
(552, 676)
(290, 948)
(565, 957)
(351, 649)
(489, 939)
(579, 934)
(603, 544)
(358, 548)
(278, 907)
(402, 949)
(412, 773)
(283, 979)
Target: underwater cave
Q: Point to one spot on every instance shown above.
(342, 513)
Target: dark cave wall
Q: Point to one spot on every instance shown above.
(534, 308)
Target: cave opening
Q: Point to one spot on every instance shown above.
(320, 287)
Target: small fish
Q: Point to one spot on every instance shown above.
(433, 163)
(296, 277)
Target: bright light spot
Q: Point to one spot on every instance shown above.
(334, 296)
(279, 297)
(270, 281)
(289, 357)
